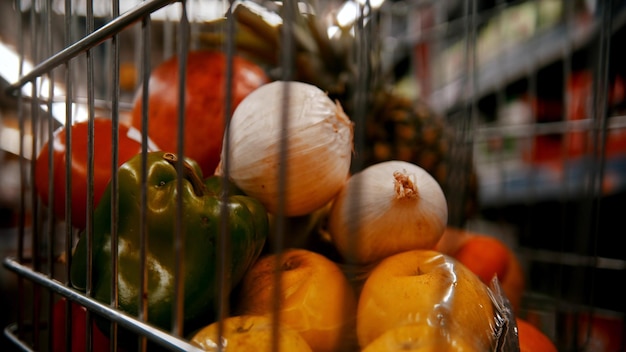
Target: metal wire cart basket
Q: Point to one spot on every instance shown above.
(516, 108)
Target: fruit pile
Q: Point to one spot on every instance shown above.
(383, 282)
(343, 262)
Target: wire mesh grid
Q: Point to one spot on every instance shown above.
(533, 91)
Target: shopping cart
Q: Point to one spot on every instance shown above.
(533, 90)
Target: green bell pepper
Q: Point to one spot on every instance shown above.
(248, 228)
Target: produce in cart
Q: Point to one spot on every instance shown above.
(387, 208)
(54, 174)
(487, 256)
(316, 298)
(200, 225)
(445, 302)
(531, 339)
(79, 328)
(248, 333)
(205, 106)
(395, 127)
(295, 126)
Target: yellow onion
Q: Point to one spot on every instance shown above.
(387, 208)
(319, 144)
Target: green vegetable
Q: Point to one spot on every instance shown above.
(201, 215)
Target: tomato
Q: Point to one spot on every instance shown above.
(204, 103)
(101, 342)
(128, 146)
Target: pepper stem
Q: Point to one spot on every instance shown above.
(189, 173)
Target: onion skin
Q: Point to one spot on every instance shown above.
(387, 208)
(319, 147)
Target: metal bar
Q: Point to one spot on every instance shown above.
(159, 336)
(13, 334)
(145, 42)
(572, 259)
(23, 174)
(50, 233)
(364, 45)
(599, 134)
(69, 88)
(223, 241)
(115, 96)
(461, 146)
(566, 103)
(558, 127)
(287, 57)
(89, 236)
(36, 209)
(179, 235)
(501, 86)
(115, 26)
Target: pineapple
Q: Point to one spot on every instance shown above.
(395, 126)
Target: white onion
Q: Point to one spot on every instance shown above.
(319, 147)
(387, 208)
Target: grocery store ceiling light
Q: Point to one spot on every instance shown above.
(348, 14)
(10, 65)
(351, 10)
(10, 71)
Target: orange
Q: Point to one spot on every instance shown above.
(531, 339)
(514, 283)
(316, 298)
(453, 238)
(486, 256)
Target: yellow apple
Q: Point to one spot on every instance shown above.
(315, 297)
(426, 287)
(419, 338)
(248, 333)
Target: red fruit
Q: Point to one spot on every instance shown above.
(204, 103)
(129, 145)
(486, 256)
(101, 342)
(531, 339)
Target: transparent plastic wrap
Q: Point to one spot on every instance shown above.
(426, 299)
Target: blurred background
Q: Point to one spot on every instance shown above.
(536, 89)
